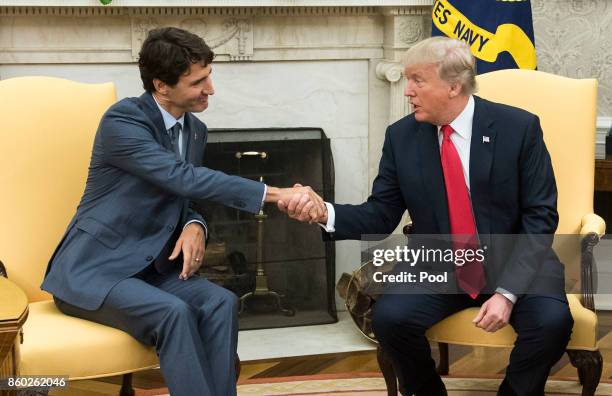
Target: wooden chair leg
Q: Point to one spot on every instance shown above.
(589, 365)
(387, 370)
(126, 386)
(443, 365)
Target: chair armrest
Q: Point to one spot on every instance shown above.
(13, 314)
(593, 227)
(14, 307)
(592, 223)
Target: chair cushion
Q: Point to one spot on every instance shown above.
(458, 329)
(57, 344)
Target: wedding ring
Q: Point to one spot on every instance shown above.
(197, 259)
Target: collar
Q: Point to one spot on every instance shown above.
(169, 120)
(463, 123)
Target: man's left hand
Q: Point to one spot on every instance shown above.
(494, 313)
(191, 242)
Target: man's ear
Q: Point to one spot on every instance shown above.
(455, 90)
(160, 86)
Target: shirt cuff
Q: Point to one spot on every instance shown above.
(263, 199)
(199, 222)
(331, 218)
(506, 294)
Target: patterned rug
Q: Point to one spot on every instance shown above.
(372, 384)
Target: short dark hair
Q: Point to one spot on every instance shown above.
(168, 52)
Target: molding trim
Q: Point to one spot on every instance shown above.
(389, 71)
(235, 38)
(218, 3)
(422, 9)
(601, 131)
(392, 72)
(604, 123)
(174, 10)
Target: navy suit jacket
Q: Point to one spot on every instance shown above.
(512, 188)
(137, 197)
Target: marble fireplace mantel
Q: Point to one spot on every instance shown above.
(218, 3)
(67, 31)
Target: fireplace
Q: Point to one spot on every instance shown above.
(281, 270)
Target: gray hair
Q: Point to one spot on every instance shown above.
(455, 62)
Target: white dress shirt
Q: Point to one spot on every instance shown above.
(462, 125)
(170, 121)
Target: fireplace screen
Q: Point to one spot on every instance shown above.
(279, 268)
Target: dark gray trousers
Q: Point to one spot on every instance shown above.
(192, 324)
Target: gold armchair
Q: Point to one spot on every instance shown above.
(567, 111)
(46, 140)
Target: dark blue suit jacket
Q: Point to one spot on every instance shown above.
(512, 188)
(136, 199)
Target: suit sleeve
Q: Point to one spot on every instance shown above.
(127, 143)
(383, 210)
(539, 217)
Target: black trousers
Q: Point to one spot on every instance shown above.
(543, 324)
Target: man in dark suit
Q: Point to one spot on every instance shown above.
(129, 257)
(462, 165)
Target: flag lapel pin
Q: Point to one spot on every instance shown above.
(485, 139)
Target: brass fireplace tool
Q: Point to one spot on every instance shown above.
(261, 279)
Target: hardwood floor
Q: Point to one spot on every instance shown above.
(465, 362)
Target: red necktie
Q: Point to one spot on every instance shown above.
(470, 276)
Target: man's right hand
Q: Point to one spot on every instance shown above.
(301, 208)
(312, 202)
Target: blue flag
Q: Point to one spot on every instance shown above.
(499, 32)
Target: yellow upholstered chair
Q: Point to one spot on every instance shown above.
(45, 142)
(567, 111)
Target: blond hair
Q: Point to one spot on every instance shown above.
(453, 57)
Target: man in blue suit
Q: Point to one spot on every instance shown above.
(129, 257)
(462, 165)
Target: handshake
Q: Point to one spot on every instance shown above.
(299, 202)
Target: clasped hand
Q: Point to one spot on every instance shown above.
(303, 204)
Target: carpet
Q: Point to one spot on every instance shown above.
(372, 384)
